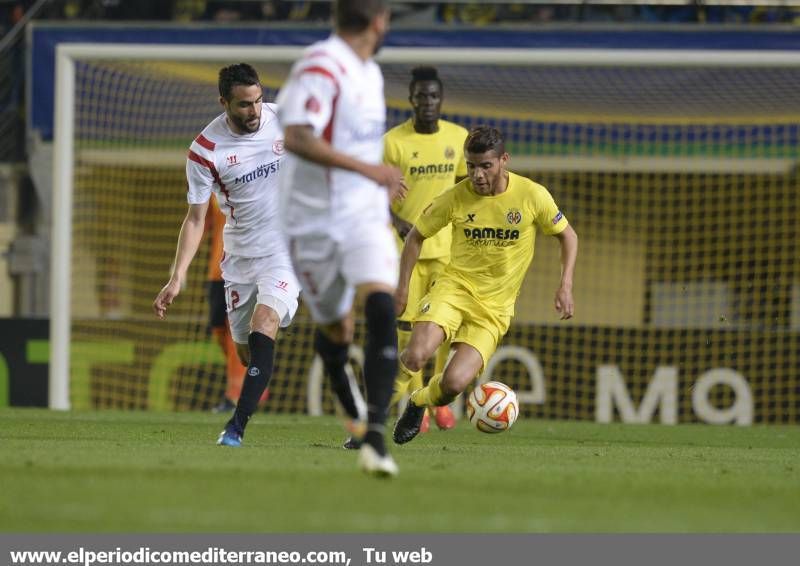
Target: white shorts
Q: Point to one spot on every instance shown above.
(329, 271)
(249, 281)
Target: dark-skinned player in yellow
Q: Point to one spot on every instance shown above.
(430, 153)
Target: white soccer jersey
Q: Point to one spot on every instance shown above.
(341, 96)
(243, 172)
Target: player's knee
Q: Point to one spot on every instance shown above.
(414, 358)
(267, 322)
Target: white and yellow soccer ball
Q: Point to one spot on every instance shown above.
(492, 407)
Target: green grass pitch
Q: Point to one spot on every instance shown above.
(157, 472)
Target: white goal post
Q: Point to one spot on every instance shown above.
(64, 142)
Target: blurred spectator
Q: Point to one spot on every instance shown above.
(11, 13)
(473, 13)
(280, 10)
(225, 11)
(268, 10)
(188, 10)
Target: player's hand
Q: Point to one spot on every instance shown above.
(565, 305)
(399, 192)
(389, 177)
(165, 298)
(400, 300)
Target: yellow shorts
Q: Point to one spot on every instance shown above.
(426, 271)
(463, 317)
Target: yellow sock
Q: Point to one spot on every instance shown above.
(404, 377)
(431, 395)
(442, 354)
(416, 381)
(399, 390)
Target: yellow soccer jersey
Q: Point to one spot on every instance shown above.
(493, 236)
(430, 165)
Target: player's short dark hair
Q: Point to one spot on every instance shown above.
(485, 138)
(355, 15)
(233, 75)
(422, 74)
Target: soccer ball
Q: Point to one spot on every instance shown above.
(492, 407)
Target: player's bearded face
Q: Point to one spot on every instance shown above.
(244, 108)
(487, 171)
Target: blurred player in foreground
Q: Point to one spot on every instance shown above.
(335, 205)
(237, 157)
(494, 216)
(430, 153)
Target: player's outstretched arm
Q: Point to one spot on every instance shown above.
(188, 242)
(301, 141)
(408, 260)
(564, 303)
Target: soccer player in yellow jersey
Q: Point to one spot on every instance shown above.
(493, 216)
(430, 153)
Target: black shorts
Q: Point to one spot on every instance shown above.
(216, 303)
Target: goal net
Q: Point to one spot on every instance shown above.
(678, 170)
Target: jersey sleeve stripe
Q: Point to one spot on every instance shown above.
(202, 161)
(223, 189)
(205, 142)
(327, 133)
(322, 71)
(328, 56)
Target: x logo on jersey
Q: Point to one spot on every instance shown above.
(414, 155)
(471, 217)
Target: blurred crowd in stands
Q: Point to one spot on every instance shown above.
(412, 13)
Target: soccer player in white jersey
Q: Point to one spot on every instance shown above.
(335, 194)
(238, 157)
